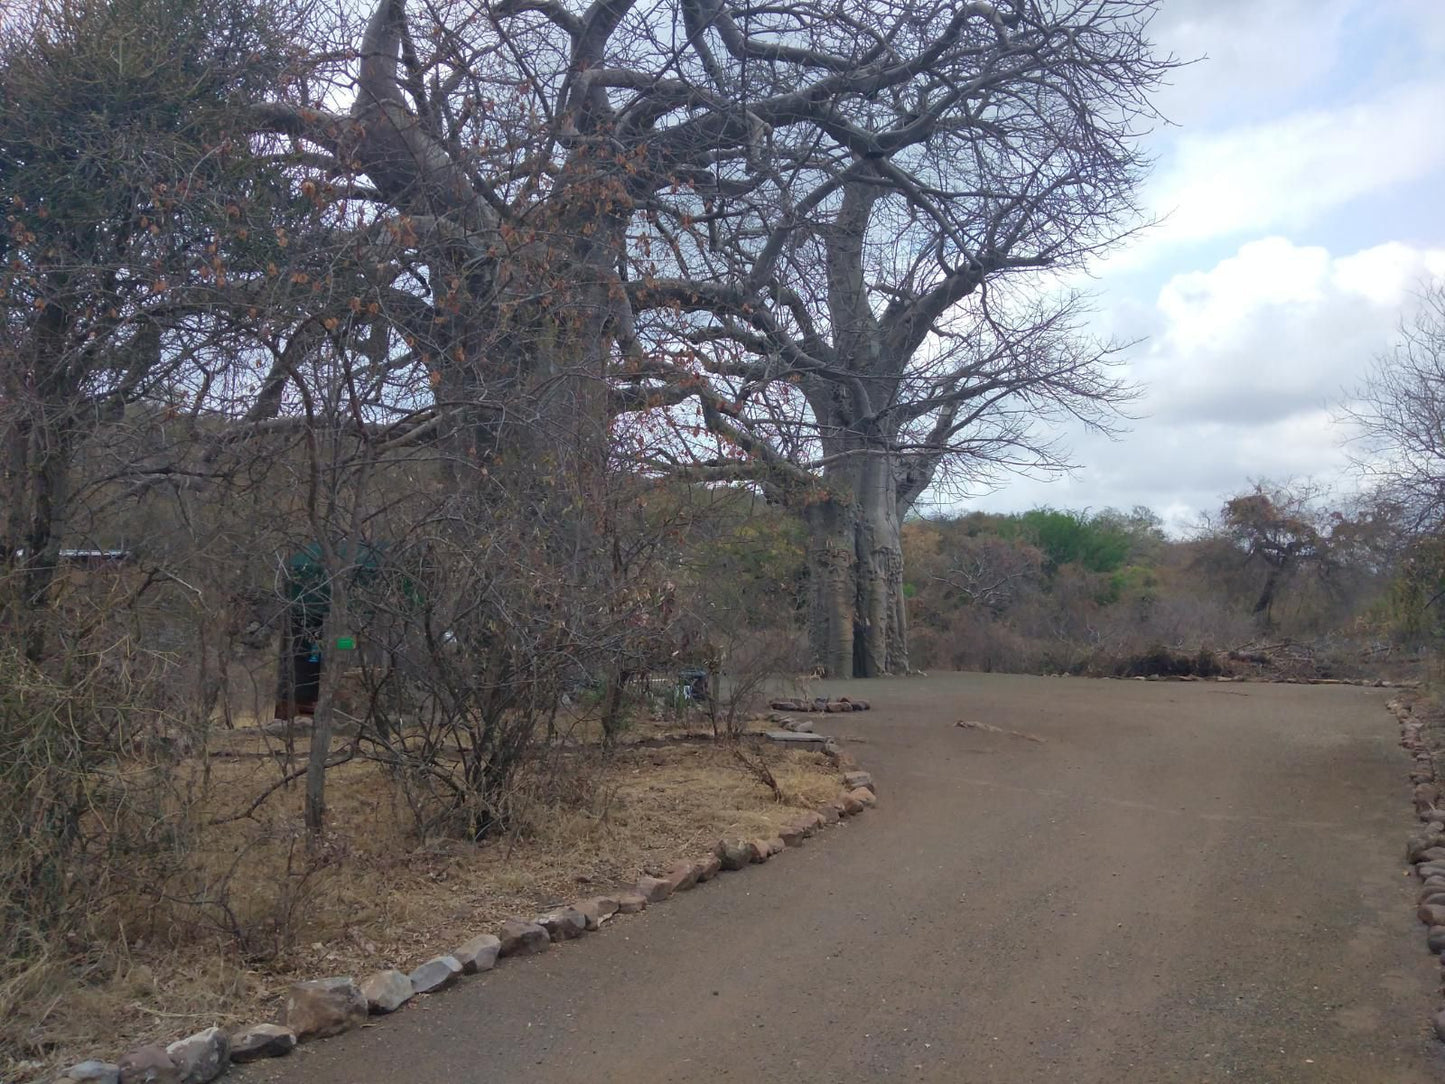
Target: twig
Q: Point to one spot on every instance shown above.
(999, 730)
(759, 771)
(289, 777)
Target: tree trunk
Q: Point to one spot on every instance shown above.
(858, 621)
(1264, 605)
(832, 577)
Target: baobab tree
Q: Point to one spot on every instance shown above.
(772, 219)
(866, 314)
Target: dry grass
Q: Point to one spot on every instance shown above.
(375, 896)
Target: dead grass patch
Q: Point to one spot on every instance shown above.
(252, 909)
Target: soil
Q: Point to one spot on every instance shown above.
(1181, 882)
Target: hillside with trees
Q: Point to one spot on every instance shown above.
(1276, 579)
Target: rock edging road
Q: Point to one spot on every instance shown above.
(1182, 882)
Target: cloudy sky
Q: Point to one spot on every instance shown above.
(1302, 197)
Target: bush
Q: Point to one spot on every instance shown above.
(1160, 661)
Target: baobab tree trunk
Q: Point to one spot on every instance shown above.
(858, 621)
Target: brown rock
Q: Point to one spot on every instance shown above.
(851, 805)
(148, 1065)
(682, 876)
(518, 937)
(91, 1072)
(829, 813)
(478, 954)
(808, 825)
(861, 705)
(791, 834)
(202, 1057)
(261, 1041)
(324, 1007)
(760, 850)
(797, 740)
(1435, 938)
(386, 991)
(707, 868)
(563, 924)
(837, 707)
(1440, 1026)
(734, 854)
(1432, 914)
(1417, 846)
(864, 796)
(436, 974)
(597, 910)
(854, 780)
(630, 903)
(654, 889)
(775, 845)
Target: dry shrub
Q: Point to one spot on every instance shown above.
(87, 810)
(250, 908)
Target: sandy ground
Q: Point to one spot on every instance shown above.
(1180, 882)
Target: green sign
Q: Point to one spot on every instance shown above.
(346, 643)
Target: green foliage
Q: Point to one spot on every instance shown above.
(124, 128)
(1096, 543)
(1134, 583)
(738, 550)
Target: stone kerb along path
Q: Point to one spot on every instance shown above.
(1426, 849)
(325, 1007)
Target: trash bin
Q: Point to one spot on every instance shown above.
(694, 684)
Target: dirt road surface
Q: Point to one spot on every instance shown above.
(1181, 882)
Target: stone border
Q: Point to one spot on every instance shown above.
(321, 1008)
(1426, 849)
(1252, 679)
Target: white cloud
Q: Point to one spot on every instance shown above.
(1426, 20)
(1244, 363)
(1237, 46)
(1276, 327)
(1287, 173)
(1315, 129)
(1387, 274)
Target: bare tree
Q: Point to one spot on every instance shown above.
(1275, 528)
(836, 308)
(1401, 411)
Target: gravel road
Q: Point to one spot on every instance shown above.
(1180, 882)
